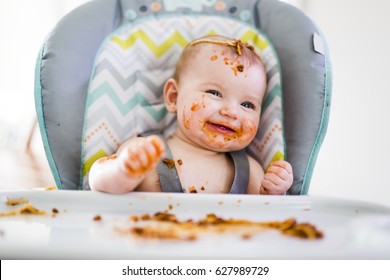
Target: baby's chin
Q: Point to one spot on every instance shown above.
(223, 146)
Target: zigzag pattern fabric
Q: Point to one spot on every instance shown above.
(125, 91)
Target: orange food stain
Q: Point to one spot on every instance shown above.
(214, 57)
(195, 107)
(186, 122)
(107, 158)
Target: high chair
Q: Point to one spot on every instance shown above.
(100, 72)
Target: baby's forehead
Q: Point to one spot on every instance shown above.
(207, 48)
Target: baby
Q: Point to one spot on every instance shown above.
(216, 94)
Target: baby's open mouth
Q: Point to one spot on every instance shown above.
(221, 127)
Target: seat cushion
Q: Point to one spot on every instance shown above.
(125, 90)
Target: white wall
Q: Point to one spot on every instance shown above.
(23, 26)
(354, 161)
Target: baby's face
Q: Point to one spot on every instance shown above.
(219, 100)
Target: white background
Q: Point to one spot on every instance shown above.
(353, 162)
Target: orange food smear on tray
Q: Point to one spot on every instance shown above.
(167, 226)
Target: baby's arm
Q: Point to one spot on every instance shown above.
(125, 170)
(278, 178)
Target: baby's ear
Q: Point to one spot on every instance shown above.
(170, 95)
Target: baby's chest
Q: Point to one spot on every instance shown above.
(206, 175)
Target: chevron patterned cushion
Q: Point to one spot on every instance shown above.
(125, 90)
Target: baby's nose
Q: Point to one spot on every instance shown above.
(229, 111)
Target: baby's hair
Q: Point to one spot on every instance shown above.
(239, 48)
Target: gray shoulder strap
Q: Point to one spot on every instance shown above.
(167, 172)
(241, 169)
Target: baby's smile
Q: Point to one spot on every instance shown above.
(222, 128)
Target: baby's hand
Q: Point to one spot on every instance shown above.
(278, 178)
(142, 155)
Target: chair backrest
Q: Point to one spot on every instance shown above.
(89, 87)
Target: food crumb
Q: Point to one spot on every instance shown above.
(246, 236)
(145, 217)
(54, 210)
(193, 189)
(169, 162)
(16, 201)
(170, 207)
(97, 218)
(179, 161)
(134, 218)
(51, 188)
(202, 188)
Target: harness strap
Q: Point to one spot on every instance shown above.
(167, 173)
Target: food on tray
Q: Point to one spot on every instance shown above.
(167, 226)
(97, 218)
(16, 201)
(24, 209)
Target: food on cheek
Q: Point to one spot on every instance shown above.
(195, 107)
(248, 131)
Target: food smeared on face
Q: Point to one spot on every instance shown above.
(242, 135)
(237, 45)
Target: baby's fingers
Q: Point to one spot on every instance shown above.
(281, 164)
(144, 155)
(156, 148)
(272, 184)
(283, 170)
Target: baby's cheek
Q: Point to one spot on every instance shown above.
(186, 119)
(198, 104)
(249, 130)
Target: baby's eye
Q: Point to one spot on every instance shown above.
(214, 92)
(248, 105)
